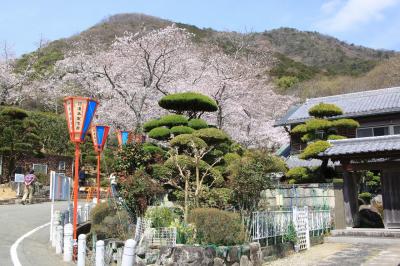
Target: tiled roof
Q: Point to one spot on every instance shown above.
(363, 145)
(294, 161)
(353, 105)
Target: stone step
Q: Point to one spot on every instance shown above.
(362, 240)
(367, 232)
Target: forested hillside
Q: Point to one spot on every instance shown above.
(129, 61)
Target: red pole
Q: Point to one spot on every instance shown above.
(98, 177)
(76, 185)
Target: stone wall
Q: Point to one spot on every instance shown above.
(243, 255)
(311, 195)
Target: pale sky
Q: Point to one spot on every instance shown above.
(372, 23)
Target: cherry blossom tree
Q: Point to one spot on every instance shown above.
(135, 71)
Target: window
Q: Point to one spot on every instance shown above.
(40, 168)
(378, 131)
(61, 165)
(381, 131)
(364, 132)
(396, 130)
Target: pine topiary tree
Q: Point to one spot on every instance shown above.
(197, 124)
(192, 104)
(149, 125)
(178, 130)
(172, 120)
(160, 133)
(322, 127)
(18, 136)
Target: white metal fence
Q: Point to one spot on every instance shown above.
(273, 225)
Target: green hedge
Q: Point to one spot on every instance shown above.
(160, 133)
(178, 130)
(217, 227)
(149, 125)
(173, 120)
(322, 110)
(14, 112)
(188, 101)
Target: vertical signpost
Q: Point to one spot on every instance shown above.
(99, 137)
(79, 112)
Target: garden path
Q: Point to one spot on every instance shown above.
(330, 254)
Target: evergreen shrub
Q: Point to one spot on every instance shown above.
(188, 101)
(217, 227)
(160, 133)
(178, 130)
(187, 140)
(313, 149)
(366, 196)
(322, 110)
(211, 135)
(197, 123)
(161, 216)
(149, 125)
(172, 120)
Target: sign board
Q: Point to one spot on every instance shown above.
(19, 178)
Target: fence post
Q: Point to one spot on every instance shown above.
(79, 214)
(56, 222)
(128, 255)
(59, 239)
(68, 242)
(307, 228)
(100, 253)
(87, 211)
(81, 250)
(66, 217)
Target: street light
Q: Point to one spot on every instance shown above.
(99, 138)
(79, 112)
(124, 137)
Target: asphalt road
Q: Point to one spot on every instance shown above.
(35, 250)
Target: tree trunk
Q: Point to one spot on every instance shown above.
(323, 170)
(186, 200)
(198, 185)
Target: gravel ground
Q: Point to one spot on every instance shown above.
(330, 254)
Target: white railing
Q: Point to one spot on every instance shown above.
(274, 224)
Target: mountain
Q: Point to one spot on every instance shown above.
(292, 62)
(299, 55)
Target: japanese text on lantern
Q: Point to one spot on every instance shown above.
(79, 111)
(94, 137)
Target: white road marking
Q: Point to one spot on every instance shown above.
(13, 249)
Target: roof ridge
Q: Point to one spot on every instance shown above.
(364, 139)
(352, 93)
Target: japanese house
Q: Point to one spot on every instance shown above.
(375, 145)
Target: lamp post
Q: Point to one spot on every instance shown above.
(79, 112)
(99, 138)
(124, 137)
